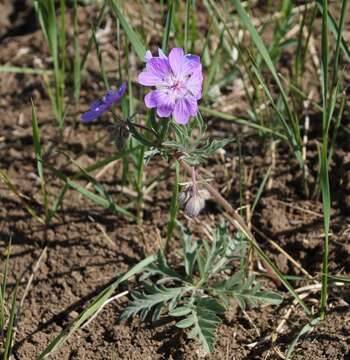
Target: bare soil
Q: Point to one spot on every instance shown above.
(87, 247)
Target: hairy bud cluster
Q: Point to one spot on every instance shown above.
(193, 200)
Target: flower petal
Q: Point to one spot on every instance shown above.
(148, 55)
(113, 96)
(91, 115)
(148, 79)
(150, 100)
(102, 105)
(183, 109)
(176, 61)
(194, 83)
(161, 54)
(156, 73)
(192, 105)
(165, 110)
(192, 62)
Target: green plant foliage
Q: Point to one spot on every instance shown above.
(198, 291)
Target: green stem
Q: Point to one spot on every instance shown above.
(139, 185)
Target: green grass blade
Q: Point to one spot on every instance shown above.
(9, 331)
(339, 37)
(129, 31)
(268, 61)
(239, 121)
(3, 288)
(97, 199)
(38, 158)
(259, 44)
(100, 18)
(168, 26)
(37, 145)
(94, 307)
(23, 70)
(100, 61)
(324, 176)
(333, 26)
(260, 190)
(4, 178)
(187, 21)
(305, 330)
(77, 58)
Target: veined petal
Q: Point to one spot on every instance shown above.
(165, 110)
(177, 61)
(159, 66)
(183, 109)
(150, 100)
(194, 83)
(147, 78)
(164, 102)
(156, 73)
(192, 105)
(192, 62)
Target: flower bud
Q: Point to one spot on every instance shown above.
(121, 135)
(193, 200)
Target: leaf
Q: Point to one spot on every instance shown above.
(189, 248)
(206, 322)
(144, 303)
(246, 291)
(185, 323)
(180, 311)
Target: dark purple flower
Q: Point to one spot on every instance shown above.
(178, 81)
(100, 106)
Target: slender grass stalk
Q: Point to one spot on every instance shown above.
(290, 124)
(56, 40)
(187, 23)
(77, 58)
(131, 34)
(100, 18)
(3, 290)
(5, 179)
(168, 26)
(39, 161)
(329, 97)
(100, 61)
(339, 42)
(23, 70)
(10, 327)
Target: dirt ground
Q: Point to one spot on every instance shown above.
(87, 247)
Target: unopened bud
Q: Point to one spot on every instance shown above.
(193, 200)
(120, 134)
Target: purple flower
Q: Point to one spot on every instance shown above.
(100, 106)
(178, 81)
